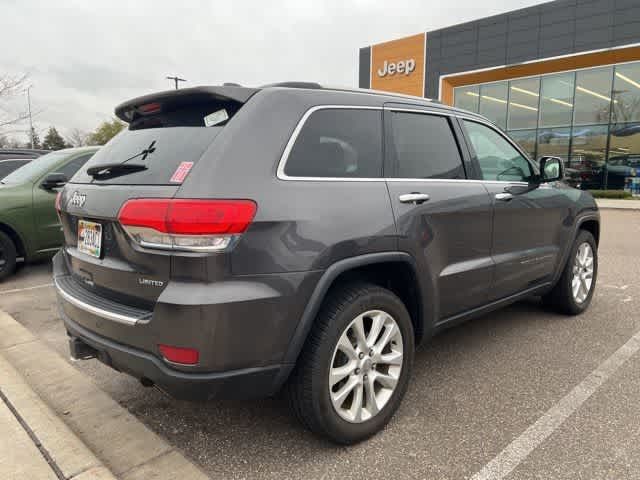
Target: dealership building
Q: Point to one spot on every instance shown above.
(563, 78)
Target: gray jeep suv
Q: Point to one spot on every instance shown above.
(234, 241)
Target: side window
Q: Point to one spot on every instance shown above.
(423, 146)
(498, 159)
(74, 165)
(338, 143)
(8, 166)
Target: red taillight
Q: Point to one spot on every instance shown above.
(184, 224)
(58, 198)
(150, 213)
(184, 356)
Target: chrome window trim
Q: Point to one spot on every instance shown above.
(294, 136)
(507, 138)
(281, 175)
(115, 317)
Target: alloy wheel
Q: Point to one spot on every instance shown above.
(366, 366)
(582, 279)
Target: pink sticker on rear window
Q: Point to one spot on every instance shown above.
(181, 172)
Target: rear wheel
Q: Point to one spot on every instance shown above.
(574, 290)
(355, 368)
(7, 256)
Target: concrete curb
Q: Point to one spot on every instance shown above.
(624, 209)
(66, 454)
(611, 204)
(125, 446)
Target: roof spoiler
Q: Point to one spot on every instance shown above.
(170, 99)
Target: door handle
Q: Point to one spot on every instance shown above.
(414, 197)
(504, 197)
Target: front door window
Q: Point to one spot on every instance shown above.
(497, 158)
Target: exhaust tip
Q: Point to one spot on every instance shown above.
(146, 382)
(80, 350)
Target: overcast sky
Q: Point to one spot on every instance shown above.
(84, 57)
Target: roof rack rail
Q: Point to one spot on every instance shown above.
(312, 85)
(231, 84)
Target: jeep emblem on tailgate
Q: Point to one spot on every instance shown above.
(78, 199)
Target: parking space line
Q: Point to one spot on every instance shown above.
(15, 290)
(519, 449)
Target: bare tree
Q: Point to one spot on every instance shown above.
(77, 137)
(11, 86)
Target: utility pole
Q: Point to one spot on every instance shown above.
(176, 79)
(30, 119)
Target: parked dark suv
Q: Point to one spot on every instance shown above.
(233, 241)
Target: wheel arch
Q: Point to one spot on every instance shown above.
(591, 225)
(17, 239)
(589, 222)
(369, 267)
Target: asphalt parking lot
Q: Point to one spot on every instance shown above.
(497, 384)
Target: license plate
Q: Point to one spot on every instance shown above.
(89, 238)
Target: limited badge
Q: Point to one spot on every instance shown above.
(181, 172)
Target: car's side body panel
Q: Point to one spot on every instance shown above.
(28, 209)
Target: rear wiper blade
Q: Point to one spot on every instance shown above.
(114, 169)
(121, 168)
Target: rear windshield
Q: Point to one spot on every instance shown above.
(167, 143)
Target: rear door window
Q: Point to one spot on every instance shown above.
(338, 143)
(8, 166)
(163, 142)
(422, 146)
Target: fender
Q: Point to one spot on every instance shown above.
(581, 218)
(318, 295)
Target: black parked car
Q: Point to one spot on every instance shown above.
(21, 153)
(233, 241)
(9, 165)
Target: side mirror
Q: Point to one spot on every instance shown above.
(551, 169)
(54, 180)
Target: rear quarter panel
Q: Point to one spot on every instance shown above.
(300, 225)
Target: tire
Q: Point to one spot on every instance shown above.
(308, 389)
(7, 256)
(562, 297)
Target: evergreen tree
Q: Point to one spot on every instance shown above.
(53, 140)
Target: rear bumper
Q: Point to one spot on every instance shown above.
(244, 383)
(241, 327)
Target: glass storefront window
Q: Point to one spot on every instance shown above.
(467, 98)
(590, 118)
(624, 156)
(626, 93)
(493, 102)
(523, 103)
(593, 96)
(556, 100)
(527, 140)
(554, 142)
(588, 151)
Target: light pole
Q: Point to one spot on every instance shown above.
(30, 119)
(176, 79)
